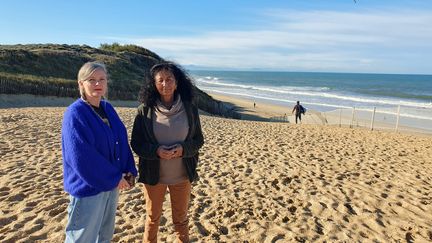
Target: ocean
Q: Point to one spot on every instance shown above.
(326, 92)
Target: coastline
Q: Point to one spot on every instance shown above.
(264, 111)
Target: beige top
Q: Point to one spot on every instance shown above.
(170, 127)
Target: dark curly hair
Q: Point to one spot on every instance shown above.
(185, 87)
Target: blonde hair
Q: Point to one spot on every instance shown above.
(85, 73)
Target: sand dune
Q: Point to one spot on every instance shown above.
(260, 182)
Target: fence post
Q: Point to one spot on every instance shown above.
(352, 118)
(340, 117)
(397, 119)
(373, 119)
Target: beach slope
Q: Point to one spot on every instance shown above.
(260, 182)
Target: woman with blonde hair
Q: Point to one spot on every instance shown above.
(97, 160)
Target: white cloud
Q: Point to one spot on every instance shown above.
(313, 40)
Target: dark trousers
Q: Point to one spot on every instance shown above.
(298, 116)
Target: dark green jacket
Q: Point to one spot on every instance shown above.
(145, 145)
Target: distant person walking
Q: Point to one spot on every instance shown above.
(167, 136)
(97, 159)
(299, 110)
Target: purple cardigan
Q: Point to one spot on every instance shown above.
(94, 155)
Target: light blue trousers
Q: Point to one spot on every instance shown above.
(92, 219)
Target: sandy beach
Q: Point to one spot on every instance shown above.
(265, 111)
(260, 182)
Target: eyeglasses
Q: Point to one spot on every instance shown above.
(94, 81)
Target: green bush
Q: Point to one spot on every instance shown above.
(116, 47)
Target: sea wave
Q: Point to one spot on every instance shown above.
(369, 109)
(285, 89)
(320, 92)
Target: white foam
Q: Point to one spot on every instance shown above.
(288, 101)
(320, 92)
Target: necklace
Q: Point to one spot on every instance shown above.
(105, 120)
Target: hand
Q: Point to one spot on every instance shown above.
(123, 184)
(130, 179)
(170, 152)
(178, 151)
(165, 152)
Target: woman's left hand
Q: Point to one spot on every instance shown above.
(123, 185)
(177, 151)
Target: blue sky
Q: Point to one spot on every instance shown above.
(334, 36)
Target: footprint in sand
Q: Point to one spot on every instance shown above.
(163, 221)
(4, 189)
(201, 193)
(223, 230)
(18, 226)
(323, 205)
(7, 220)
(56, 211)
(319, 227)
(201, 229)
(31, 204)
(248, 171)
(238, 226)
(38, 237)
(275, 183)
(229, 214)
(409, 237)
(292, 209)
(277, 238)
(17, 198)
(286, 181)
(350, 209)
(203, 205)
(34, 228)
(127, 227)
(364, 235)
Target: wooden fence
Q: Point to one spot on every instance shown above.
(57, 89)
(375, 119)
(283, 118)
(70, 89)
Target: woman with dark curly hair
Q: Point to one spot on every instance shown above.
(167, 136)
